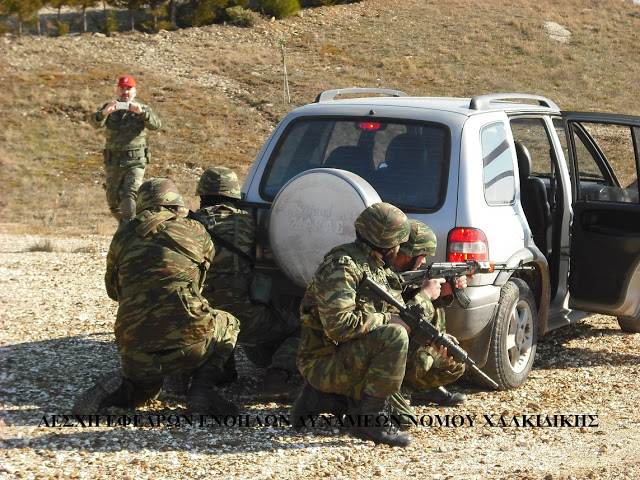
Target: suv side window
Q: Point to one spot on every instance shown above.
(499, 179)
(615, 180)
(532, 133)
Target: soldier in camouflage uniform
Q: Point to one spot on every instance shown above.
(126, 154)
(352, 345)
(268, 335)
(427, 370)
(155, 269)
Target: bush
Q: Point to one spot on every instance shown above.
(280, 8)
(62, 28)
(111, 25)
(241, 16)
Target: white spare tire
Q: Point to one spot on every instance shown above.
(313, 213)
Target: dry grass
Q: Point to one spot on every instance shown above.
(231, 94)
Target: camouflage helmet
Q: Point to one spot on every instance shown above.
(219, 181)
(422, 241)
(383, 225)
(158, 191)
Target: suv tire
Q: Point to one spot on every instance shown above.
(629, 325)
(514, 336)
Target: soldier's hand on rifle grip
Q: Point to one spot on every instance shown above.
(395, 318)
(442, 350)
(459, 283)
(432, 287)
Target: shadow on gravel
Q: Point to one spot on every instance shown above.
(47, 375)
(553, 351)
(39, 382)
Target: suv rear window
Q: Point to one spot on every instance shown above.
(406, 162)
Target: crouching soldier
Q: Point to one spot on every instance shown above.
(268, 335)
(156, 266)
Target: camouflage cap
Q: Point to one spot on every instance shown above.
(158, 191)
(219, 181)
(383, 225)
(422, 240)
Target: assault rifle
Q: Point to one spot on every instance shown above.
(424, 332)
(452, 270)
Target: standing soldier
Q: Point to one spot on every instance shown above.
(156, 266)
(427, 370)
(126, 154)
(269, 335)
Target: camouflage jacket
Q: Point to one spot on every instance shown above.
(155, 266)
(233, 233)
(126, 130)
(333, 310)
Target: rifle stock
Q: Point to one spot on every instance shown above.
(423, 331)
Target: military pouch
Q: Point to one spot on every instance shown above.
(260, 288)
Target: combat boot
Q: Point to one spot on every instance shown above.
(228, 375)
(108, 391)
(177, 384)
(278, 386)
(203, 397)
(312, 401)
(373, 422)
(207, 400)
(439, 396)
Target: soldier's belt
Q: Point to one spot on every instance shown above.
(119, 154)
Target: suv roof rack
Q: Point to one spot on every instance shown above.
(329, 95)
(483, 102)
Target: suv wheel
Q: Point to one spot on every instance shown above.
(514, 336)
(629, 325)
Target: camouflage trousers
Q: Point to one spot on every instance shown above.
(144, 372)
(373, 365)
(122, 184)
(269, 336)
(427, 370)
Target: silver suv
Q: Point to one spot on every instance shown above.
(500, 177)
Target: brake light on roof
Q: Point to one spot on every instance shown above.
(467, 244)
(369, 126)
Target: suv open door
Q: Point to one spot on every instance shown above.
(604, 161)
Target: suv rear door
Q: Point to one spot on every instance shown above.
(604, 160)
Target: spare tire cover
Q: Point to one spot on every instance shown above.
(313, 213)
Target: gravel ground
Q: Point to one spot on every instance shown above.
(56, 336)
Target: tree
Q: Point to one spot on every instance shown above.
(83, 5)
(58, 4)
(24, 11)
(156, 9)
(133, 6)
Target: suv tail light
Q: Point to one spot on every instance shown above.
(467, 244)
